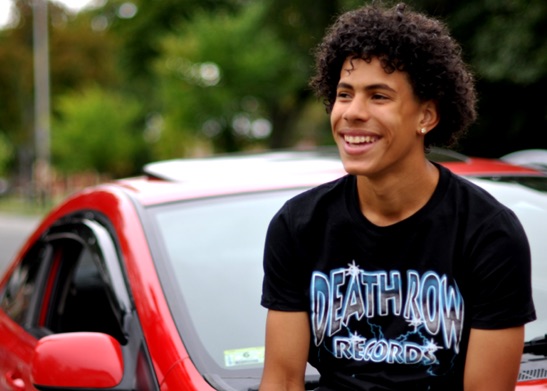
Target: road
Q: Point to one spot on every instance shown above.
(13, 231)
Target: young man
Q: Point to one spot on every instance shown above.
(399, 276)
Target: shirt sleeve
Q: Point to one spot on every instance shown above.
(284, 286)
(501, 276)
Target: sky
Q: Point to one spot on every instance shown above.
(73, 5)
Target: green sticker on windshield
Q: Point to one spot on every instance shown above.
(246, 356)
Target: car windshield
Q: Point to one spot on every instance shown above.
(213, 273)
(214, 279)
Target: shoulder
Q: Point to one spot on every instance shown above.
(470, 195)
(314, 206)
(478, 210)
(320, 196)
(464, 187)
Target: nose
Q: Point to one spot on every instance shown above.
(356, 110)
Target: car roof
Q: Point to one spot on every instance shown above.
(190, 178)
(234, 173)
(534, 158)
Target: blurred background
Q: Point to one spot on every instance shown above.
(93, 89)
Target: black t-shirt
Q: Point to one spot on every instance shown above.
(391, 307)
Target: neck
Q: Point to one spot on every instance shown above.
(391, 198)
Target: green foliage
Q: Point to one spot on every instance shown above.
(78, 55)
(220, 74)
(507, 43)
(16, 76)
(198, 76)
(97, 129)
(6, 154)
(153, 20)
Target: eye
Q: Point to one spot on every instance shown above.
(379, 97)
(343, 95)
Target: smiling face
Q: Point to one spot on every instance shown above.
(376, 120)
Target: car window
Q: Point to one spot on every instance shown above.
(72, 280)
(538, 183)
(81, 299)
(89, 293)
(216, 267)
(17, 295)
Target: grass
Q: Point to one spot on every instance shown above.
(24, 206)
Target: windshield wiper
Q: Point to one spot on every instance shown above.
(536, 346)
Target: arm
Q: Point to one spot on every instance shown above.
(287, 346)
(493, 359)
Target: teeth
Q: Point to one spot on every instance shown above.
(360, 139)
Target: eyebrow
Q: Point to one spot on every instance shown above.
(378, 86)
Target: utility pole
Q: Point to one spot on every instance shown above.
(41, 169)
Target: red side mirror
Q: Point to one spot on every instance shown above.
(77, 360)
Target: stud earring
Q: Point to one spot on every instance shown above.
(423, 130)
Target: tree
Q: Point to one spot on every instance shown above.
(505, 44)
(98, 130)
(78, 54)
(212, 72)
(220, 76)
(16, 79)
(6, 155)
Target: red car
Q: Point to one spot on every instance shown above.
(153, 283)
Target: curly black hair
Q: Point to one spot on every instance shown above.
(407, 41)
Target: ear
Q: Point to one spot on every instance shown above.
(430, 116)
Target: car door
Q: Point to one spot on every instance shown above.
(17, 303)
(71, 280)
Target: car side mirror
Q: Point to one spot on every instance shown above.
(77, 360)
